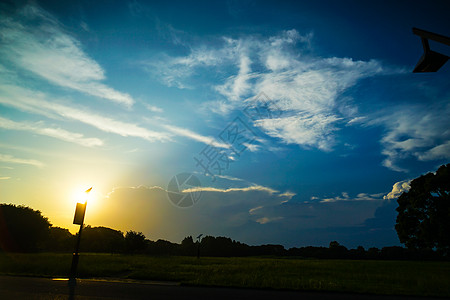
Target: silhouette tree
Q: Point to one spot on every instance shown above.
(336, 250)
(423, 219)
(188, 247)
(101, 239)
(134, 241)
(60, 240)
(162, 247)
(22, 229)
(373, 253)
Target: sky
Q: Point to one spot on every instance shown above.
(269, 122)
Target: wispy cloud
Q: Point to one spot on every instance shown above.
(238, 214)
(303, 129)
(37, 102)
(287, 196)
(14, 160)
(304, 87)
(36, 41)
(441, 151)
(175, 71)
(5, 178)
(57, 133)
(415, 131)
(308, 90)
(265, 220)
(196, 136)
(230, 190)
(253, 210)
(231, 178)
(359, 197)
(153, 108)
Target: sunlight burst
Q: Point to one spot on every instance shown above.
(81, 194)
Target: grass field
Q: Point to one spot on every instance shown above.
(379, 277)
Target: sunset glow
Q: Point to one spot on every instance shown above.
(292, 122)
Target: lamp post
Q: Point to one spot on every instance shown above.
(430, 61)
(198, 245)
(78, 219)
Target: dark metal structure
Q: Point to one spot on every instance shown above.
(430, 61)
(79, 220)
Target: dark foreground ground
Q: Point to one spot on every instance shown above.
(12, 287)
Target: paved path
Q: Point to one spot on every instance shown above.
(16, 288)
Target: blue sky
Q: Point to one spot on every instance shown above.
(124, 95)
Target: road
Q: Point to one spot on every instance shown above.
(17, 288)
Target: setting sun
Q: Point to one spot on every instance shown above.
(82, 195)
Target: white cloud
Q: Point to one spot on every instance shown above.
(346, 197)
(57, 133)
(231, 178)
(230, 190)
(173, 71)
(415, 131)
(397, 189)
(40, 103)
(239, 215)
(306, 130)
(14, 160)
(237, 86)
(356, 120)
(265, 220)
(5, 178)
(220, 107)
(37, 102)
(153, 108)
(252, 211)
(438, 152)
(305, 88)
(196, 137)
(288, 195)
(251, 147)
(38, 43)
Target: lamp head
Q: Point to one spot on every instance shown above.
(430, 61)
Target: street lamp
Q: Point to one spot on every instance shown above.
(198, 245)
(430, 61)
(78, 219)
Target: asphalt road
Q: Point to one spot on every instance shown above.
(46, 288)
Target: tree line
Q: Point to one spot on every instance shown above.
(422, 224)
(23, 229)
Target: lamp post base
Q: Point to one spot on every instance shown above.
(73, 269)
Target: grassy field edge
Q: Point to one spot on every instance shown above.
(413, 278)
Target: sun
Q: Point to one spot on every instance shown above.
(82, 194)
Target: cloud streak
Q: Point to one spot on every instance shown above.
(230, 190)
(240, 213)
(415, 131)
(359, 197)
(57, 133)
(14, 160)
(37, 102)
(196, 137)
(37, 42)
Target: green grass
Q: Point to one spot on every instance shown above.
(379, 277)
